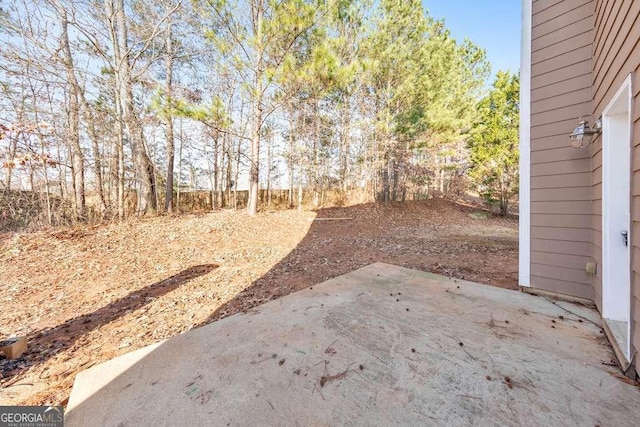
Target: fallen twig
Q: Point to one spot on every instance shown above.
(328, 378)
(469, 397)
(570, 312)
(332, 219)
(17, 385)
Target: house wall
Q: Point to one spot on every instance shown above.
(581, 53)
(616, 53)
(562, 66)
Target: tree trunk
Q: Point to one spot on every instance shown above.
(179, 167)
(387, 180)
(290, 163)
(121, 171)
(316, 166)
(215, 202)
(112, 11)
(168, 195)
(237, 175)
(228, 149)
(97, 158)
(73, 104)
(254, 173)
(13, 145)
(504, 197)
(269, 171)
(394, 170)
(345, 144)
(257, 108)
(212, 183)
(62, 181)
(144, 168)
(146, 190)
(300, 192)
(45, 171)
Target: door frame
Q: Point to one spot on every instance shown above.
(616, 217)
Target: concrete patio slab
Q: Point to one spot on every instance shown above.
(381, 345)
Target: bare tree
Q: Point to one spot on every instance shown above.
(73, 112)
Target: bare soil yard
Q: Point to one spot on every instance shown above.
(86, 295)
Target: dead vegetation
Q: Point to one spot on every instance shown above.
(85, 295)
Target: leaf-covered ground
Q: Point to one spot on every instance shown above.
(85, 295)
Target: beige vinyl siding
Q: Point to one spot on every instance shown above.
(563, 194)
(574, 180)
(562, 77)
(561, 247)
(575, 83)
(561, 184)
(575, 97)
(616, 53)
(556, 10)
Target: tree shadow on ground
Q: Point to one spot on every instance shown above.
(59, 338)
(431, 236)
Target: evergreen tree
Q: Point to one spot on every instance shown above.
(494, 144)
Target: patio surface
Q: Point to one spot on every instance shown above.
(381, 345)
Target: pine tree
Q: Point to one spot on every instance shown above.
(494, 144)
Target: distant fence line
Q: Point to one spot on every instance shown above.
(22, 209)
(203, 199)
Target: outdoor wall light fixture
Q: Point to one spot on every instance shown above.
(582, 136)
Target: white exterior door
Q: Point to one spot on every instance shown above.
(616, 217)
